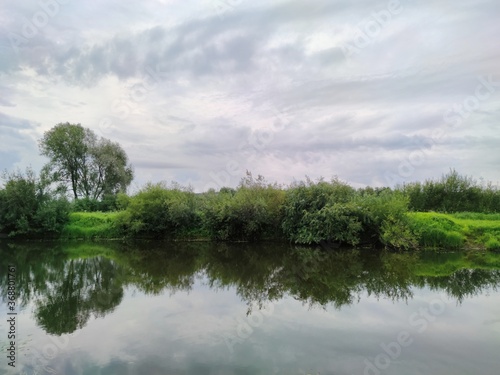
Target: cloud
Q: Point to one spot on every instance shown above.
(19, 149)
(271, 86)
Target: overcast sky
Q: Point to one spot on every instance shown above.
(375, 92)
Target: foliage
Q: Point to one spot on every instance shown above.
(91, 225)
(438, 232)
(384, 217)
(251, 212)
(107, 203)
(318, 212)
(302, 212)
(452, 193)
(28, 206)
(122, 201)
(474, 216)
(85, 205)
(396, 233)
(91, 166)
(333, 222)
(159, 210)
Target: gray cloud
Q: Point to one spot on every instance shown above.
(17, 146)
(214, 84)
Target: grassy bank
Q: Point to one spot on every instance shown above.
(456, 231)
(304, 213)
(432, 230)
(92, 225)
(108, 225)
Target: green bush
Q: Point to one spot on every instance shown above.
(302, 220)
(334, 222)
(251, 212)
(318, 212)
(28, 206)
(109, 202)
(52, 215)
(452, 193)
(122, 201)
(85, 205)
(395, 232)
(160, 211)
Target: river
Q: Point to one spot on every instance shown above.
(152, 308)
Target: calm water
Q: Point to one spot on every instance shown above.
(165, 309)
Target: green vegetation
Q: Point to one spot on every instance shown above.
(437, 230)
(327, 213)
(314, 211)
(160, 211)
(456, 231)
(89, 165)
(452, 193)
(92, 225)
(28, 206)
(96, 171)
(249, 213)
(464, 213)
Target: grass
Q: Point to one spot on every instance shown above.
(456, 231)
(476, 216)
(91, 225)
(434, 230)
(104, 225)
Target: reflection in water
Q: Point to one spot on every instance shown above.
(70, 283)
(85, 287)
(65, 291)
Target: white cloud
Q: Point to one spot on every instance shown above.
(187, 89)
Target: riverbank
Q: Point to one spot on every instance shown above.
(464, 230)
(92, 225)
(433, 231)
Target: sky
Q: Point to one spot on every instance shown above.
(375, 92)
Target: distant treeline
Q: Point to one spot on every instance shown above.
(308, 212)
(452, 193)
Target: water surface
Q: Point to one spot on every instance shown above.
(198, 308)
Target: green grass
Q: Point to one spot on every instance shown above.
(476, 216)
(434, 230)
(104, 225)
(91, 225)
(456, 231)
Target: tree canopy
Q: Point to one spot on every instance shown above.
(89, 165)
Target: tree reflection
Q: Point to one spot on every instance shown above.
(66, 292)
(69, 284)
(86, 287)
(312, 276)
(466, 283)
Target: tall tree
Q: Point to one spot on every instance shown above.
(90, 165)
(109, 173)
(66, 148)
